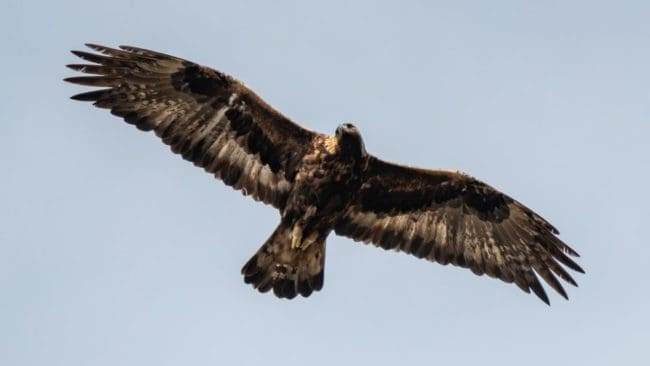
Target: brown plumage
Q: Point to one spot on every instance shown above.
(321, 183)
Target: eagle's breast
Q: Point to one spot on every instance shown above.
(318, 163)
(323, 185)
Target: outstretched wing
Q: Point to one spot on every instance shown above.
(208, 117)
(449, 217)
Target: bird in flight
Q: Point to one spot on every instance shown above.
(321, 183)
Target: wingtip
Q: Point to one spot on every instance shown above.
(546, 301)
(90, 96)
(538, 289)
(81, 54)
(95, 46)
(570, 281)
(576, 267)
(79, 97)
(128, 48)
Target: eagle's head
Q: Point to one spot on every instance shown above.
(350, 141)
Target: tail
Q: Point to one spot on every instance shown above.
(288, 271)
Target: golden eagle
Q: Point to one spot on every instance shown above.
(321, 183)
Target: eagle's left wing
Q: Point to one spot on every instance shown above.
(449, 217)
(208, 117)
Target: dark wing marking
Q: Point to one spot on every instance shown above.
(449, 217)
(208, 117)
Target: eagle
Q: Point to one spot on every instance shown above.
(321, 183)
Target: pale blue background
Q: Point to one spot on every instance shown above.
(113, 251)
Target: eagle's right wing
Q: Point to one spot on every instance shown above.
(449, 217)
(208, 117)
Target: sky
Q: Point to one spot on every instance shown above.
(114, 251)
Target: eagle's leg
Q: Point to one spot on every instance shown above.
(296, 236)
(300, 242)
(311, 239)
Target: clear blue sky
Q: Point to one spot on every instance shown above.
(113, 251)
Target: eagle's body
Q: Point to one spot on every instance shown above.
(324, 187)
(321, 183)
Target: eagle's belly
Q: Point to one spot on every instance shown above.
(321, 193)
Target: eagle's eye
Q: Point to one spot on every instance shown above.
(344, 128)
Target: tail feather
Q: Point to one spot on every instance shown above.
(288, 271)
